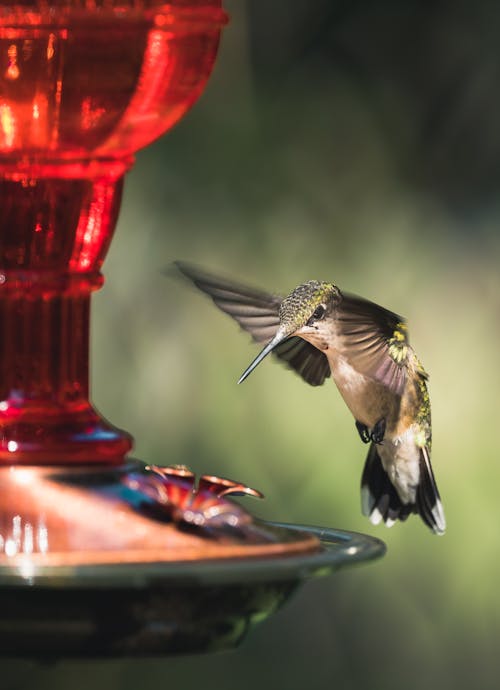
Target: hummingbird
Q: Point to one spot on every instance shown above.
(320, 331)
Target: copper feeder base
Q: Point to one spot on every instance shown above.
(88, 568)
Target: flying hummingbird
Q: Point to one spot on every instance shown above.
(319, 331)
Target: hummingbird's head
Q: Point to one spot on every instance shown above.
(304, 312)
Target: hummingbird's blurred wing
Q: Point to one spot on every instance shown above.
(305, 359)
(257, 312)
(374, 341)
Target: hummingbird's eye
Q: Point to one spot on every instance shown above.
(318, 313)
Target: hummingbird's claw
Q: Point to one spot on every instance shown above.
(363, 432)
(378, 431)
(376, 435)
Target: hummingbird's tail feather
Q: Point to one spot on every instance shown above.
(428, 501)
(381, 502)
(379, 498)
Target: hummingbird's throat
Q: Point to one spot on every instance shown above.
(312, 336)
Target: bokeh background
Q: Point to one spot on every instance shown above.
(356, 142)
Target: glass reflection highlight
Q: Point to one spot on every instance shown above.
(22, 537)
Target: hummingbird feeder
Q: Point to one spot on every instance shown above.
(101, 554)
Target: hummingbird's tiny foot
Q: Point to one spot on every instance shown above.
(363, 432)
(378, 431)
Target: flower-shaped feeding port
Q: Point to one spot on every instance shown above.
(173, 493)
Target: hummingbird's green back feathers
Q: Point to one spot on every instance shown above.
(257, 312)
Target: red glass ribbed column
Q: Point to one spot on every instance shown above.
(54, 234)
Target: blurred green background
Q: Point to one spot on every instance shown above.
(348, 141)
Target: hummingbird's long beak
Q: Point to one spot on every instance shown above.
(278, 338)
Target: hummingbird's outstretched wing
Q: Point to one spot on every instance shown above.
(374, 341)
(257, 312)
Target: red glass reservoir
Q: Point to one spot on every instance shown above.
(83, 86)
